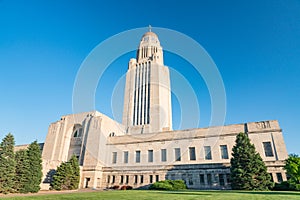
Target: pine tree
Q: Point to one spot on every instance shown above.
(35, 171)
(22, 171)
(59, 177)
(248, 171)
(7, 164)
(75, 176)
(67, 175)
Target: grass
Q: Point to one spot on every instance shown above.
(165, 195)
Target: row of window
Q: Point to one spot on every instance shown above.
(124, 179)
(192, 153)
(177, 151)
(204, 179)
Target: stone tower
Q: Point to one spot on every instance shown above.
(147, 100)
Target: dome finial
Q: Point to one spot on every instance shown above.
(150, 28)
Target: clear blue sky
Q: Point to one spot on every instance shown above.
(255, 44)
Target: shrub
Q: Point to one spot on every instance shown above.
(126, 187)
(168, 185)
(115, 187)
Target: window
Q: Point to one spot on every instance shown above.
(157, 178)
(191, 179)
(125, 156)
(113, 179)
(135, 179)
(279, 177)
(268, 149)
(163, 155)
(192, 153)
(150, 155)
(177, 154)
(151, 178)
(108, 179)
(207, 151)
(121, 179)
(127, 179)
(114, 157)
(224, 151)
(137, 156)
(209, 180)
(141, 178)
(202, 179)
(221, 179)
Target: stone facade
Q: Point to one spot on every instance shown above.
(144, 149)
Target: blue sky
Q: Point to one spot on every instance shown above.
(255, 44)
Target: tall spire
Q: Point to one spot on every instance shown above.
(150, 28)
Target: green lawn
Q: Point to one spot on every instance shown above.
(165, 195)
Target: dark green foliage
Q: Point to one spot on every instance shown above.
(248, 171)
(7, 164)
(168, 185)
(67, 175)
(35, 171)
(292, 166)
(22, 171)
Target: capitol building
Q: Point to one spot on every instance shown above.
(144, 148)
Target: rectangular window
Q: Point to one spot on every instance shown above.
(113, 179)
(191, 179)
(163, 155)
(209, 180)
(121, 179)
(114, 157)
(135, 179)
(224, 151)
(156, 178)
(271, 175)
(268, 149)
(221, 179)
(127, 179)
(141, 178)
(137, 156)
(151, 178)
(228, 179)
(177, 154)
(150, 155)
(192, 153)
(279, 177)
(202, 179)
(125, 156)
(108, 179)
(207, 152)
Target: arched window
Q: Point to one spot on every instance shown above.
(77, 130)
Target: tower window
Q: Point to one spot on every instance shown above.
(150, 155)
(192, 153)
(137, 156)
(163, 155)
(268, 149)
(224, 151)
(125, 156)
(114, 157)
(207, 151)
(177, 154)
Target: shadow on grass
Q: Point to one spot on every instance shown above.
(211, 192)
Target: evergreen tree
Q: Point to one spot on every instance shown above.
(22, 171)
(35, 171)
(75, 176)
(7, 164)
(248, 171)
(67, 175)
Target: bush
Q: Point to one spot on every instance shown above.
(283, 186)
(114, 187)
(126, 187)
(168, 185)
